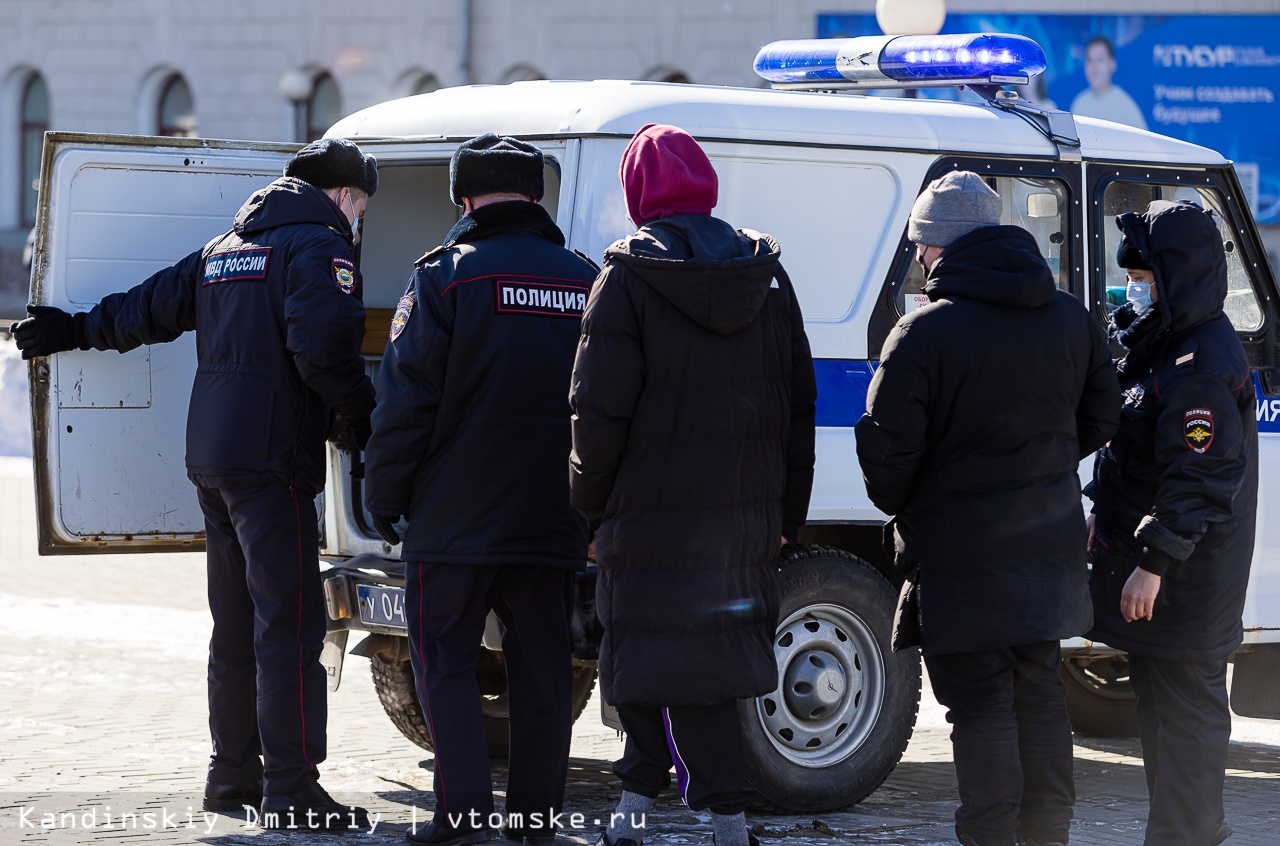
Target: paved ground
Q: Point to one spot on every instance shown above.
(102, 714)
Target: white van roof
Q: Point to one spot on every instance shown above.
(620, 108)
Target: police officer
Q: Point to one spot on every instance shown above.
(469, 441)
(1175, 498)
(275, 304)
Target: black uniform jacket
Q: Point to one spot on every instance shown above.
(693, 397)
(984, 404)
(276, 307)
(1180, 478)
(471, 431)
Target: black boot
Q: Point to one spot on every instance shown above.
(229, 798)
(438, 834)
(310, 809)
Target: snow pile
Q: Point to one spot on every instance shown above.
(15, 402)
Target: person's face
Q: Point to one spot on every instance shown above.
(352, 201)
(927, 256)
(1145, 277)
(1099, 67)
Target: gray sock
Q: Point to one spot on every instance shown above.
(629, 820)
(730, 830)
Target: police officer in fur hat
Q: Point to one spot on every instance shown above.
(276, 305)
(470, 440)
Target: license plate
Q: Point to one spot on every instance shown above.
(382, 606)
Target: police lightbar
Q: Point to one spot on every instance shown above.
(889, 61)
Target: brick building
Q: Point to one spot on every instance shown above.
(286, 69)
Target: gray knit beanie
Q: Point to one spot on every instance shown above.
(951, 207)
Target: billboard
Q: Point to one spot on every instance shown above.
(1213, 80)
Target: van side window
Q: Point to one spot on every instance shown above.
(1038, 205)
(411, 215)
(1122, 196)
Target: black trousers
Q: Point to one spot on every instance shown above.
(267, 694)
(1011, 741)
(446, 605)
(1184, 722)
(703, 743)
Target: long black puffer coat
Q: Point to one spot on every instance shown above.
(1180, 478)
(983, 406)
(693, 395)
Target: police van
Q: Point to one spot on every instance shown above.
(828, 170)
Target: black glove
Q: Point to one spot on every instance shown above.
(47, 331)
(350, 434)
(386, 527)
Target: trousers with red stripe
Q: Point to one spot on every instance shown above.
(446, 606)
(267, 694)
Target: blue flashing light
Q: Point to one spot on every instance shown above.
(819, 59)
(922, 59)
(911, 58)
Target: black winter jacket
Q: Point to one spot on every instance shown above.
(1180, 478)
(693, 396)
(275, 304)
(471, 431)
(984, 404)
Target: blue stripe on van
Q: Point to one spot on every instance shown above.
(842, 394)
(1268, 408)
(842, 390)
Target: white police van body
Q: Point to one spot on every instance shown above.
(832, 177)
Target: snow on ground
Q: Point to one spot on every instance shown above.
(15, 402)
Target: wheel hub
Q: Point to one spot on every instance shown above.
(815, 681)
(830, 686)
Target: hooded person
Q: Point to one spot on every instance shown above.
(693, 435)
(275, 305)
(1175, 502)
(973, 447)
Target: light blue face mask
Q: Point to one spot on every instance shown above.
(1138, 293)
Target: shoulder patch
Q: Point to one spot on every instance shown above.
(1197, 429)
(401, 318)
(237, 265)
(545, 297)
(1184, 359)
(344, 273)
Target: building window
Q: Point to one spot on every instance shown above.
(323, 108)
(425, 84)
(35, 122)
(666, 73)
(523, 73)
(175, 110)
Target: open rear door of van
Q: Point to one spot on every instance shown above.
(110, 474)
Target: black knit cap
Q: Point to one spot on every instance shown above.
(334, 163)
(493, 165)
(1129, 254)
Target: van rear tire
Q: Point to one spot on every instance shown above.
(1100, 699)
(393, 681)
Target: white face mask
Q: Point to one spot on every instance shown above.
(1138, 293)
(354, 220)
